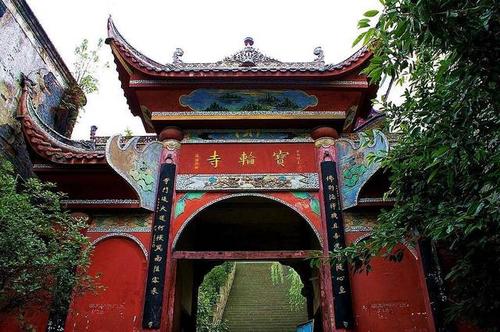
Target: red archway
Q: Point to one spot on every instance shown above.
(249, 227)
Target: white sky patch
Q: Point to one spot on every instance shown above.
(207, 31)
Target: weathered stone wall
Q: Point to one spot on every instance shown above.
(24, 52)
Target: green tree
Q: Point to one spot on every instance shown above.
(444, 170)
(44, 255)
(86, 66)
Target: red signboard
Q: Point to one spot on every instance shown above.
(247, 158)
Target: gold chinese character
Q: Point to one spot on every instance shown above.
(280, 157)
(339, 267)
(196, 161)
(159, 237)
(158, 258)
(161, 218)
(160, 227)
(340, 278)
(164, 199)
(155, 280)
(333, 206)
(342, 290)
(163, 208)
(331, 187)
(156, 268)
(335, 225)
(336, 236)
(334, 215)
(331, 197)
(214, 159)
(154, 291)
(329, 178)
(164, 190)
(247, 159)
(166, 180)
(158, 247)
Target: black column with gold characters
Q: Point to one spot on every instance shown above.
(159, 245)
(335, 232)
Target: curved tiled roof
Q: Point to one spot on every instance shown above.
(49, 144)
(248, 60)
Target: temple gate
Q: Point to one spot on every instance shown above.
(254, 159)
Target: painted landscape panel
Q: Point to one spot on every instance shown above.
(225, 100)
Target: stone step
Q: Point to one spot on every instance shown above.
(255, 304)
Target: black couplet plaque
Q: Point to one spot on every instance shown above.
(159, 246)
(335, 231)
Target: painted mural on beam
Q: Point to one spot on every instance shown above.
(356, 164)
(140, 168)
(226, 100)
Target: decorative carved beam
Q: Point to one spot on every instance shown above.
(245, 255)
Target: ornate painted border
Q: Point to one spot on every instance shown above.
(357, 84)
(198, 182)
(126, 235)
(100, 201)
(193, 115)
(219, 199)
(305, 138)
(118, 229)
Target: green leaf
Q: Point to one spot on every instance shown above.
(371, 13)
(358, 38)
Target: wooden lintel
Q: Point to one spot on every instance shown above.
(245, 255)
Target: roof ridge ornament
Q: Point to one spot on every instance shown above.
(249, 57)
(320, 56)
(176, 57)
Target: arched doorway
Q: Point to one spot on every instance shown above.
(242, 228)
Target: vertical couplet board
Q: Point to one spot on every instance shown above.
(335, 232)
(159, 245)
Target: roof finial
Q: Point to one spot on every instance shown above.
(177, 55)
(320, 56)
(248, 42)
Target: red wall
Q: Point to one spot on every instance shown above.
(122, 266)
(391, 297)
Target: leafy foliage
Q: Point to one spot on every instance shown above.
(208, 295)
(295, 297)
(445, 168)
(87, 64)
(43, 253)
(128, 132)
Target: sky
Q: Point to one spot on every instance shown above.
(207, 31)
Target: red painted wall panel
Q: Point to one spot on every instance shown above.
(391, 297)
(122, 266)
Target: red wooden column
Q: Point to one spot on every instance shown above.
(170, 138)
(325, 146)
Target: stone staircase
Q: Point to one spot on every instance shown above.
(256, 305)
